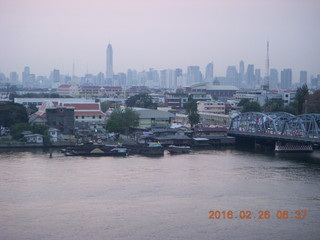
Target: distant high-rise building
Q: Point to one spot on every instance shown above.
(55, 76)
(250, 76)
(231, 76)
(178, 77)
(209, 72)
(25, 74)
(14, 77)
(273, 78)
(194, 75)
(241, 73)
(257, 77)
(286, 78)
(109, 70)
(303, 77)
(132, 78)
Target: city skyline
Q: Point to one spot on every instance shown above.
(46, 35)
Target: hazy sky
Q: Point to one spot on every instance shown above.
(160, 34)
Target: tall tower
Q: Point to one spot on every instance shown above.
(209, 72)
(109, 70)
(266, 78)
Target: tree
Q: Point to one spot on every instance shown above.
(114, 126)
(12, 113)
(17, 129)
(243, 102)
(273, 105)
(300, 98)
(251, 107)
(106, 105)
(192, 110)
(121, 120)
(143, 100)
(313, 102)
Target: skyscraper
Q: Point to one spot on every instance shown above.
(194, 75)
(273, 79)
(109, 70)
(250, 76)
(209, 72)
(231, 76)
(286, 78)
(303, 77)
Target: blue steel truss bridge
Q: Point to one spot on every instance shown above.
(277, 126)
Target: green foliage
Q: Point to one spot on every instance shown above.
(142, 100)
(273, 105)
(12, 113)
(121, 120)
(18, 128)
(106, 105)
(243, 102)
(313, 105)
(114, 126)
(34, 95)
(251, 107)
(192, 111)
(300, 98)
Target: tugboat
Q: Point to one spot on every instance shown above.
(292, 148)
(178, 149)
(91, 149)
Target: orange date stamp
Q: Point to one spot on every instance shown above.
(263, 214)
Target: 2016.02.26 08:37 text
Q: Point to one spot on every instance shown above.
(263, 214)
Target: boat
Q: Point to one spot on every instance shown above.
(178, 149)
(292, 148)
(91, 149)
(150, 149)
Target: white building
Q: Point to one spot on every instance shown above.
(211, 107)
(34, 138)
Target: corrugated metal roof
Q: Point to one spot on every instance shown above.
(151, 113)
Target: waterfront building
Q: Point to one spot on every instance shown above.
(59, 117)
(286, 78)
(149, 118)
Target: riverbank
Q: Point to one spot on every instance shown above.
(35, 145)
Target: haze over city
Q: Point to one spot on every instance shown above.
(49, 34)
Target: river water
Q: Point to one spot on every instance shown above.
(168, 197)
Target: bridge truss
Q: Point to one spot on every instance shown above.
(278, 124)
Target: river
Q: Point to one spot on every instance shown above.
(254, 195)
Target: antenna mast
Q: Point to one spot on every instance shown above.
(266, 79)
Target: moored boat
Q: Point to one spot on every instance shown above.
(178, 149)
(90, 149)
(292, 148)
(151, 149)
